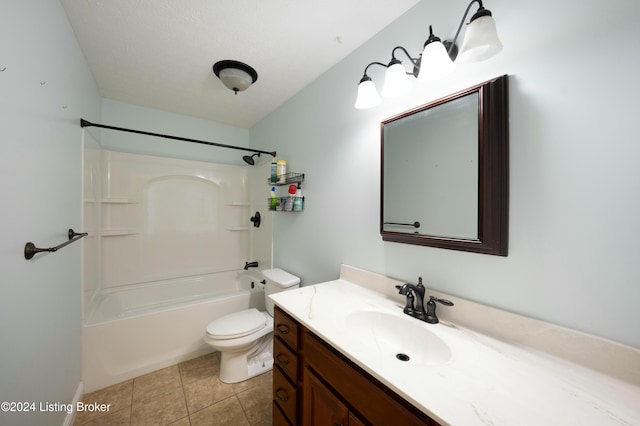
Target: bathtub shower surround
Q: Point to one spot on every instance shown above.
(164, 218)
(91, 189)
(168, 242)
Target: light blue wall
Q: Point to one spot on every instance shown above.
(45, 87)
(129, 116)
(575, 184)
(575, 180)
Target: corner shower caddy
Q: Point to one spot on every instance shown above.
(289, 179)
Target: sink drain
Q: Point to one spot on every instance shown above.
(402, 357)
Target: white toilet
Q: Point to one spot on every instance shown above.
(245, 338)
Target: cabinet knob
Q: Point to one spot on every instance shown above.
(282, 394)
(282, 328)
(281, 361)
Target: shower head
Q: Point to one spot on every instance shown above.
(249, 159)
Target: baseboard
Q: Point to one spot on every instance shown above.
(68, 421)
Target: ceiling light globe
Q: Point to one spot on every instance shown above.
(235, 79)
(235, 75)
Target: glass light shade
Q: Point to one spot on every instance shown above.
(435, 63)
(235, 79)
(396, 81)
(480, 41)
(367, 95)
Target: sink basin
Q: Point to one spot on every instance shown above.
(397, 338)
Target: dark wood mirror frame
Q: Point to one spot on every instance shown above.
(493, 173)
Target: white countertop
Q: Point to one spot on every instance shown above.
(485, 382)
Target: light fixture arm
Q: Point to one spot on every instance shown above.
(414, 61)
(480, 12)
(365, 77)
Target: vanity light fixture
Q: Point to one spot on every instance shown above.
(436, 60)
(235, 75)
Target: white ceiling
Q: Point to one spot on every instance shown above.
(160, 53)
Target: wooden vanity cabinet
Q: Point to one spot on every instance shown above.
(331, 389)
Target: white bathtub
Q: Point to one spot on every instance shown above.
(136, 330)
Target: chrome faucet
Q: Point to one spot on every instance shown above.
(417, 292)
(248, 265)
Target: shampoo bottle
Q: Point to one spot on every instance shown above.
(273, 171)
(274, 200)
(298, 200)
(289, 202)
(281, 171)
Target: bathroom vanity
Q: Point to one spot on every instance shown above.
(337, 350)
(316, 385)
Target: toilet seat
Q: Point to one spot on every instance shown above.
(237, 324)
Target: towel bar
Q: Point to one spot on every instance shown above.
(31, 250)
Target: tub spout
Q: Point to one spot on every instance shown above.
(248, 265)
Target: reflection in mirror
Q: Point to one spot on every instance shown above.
(437, 147)
(444, 177)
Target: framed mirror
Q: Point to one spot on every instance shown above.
(445, 172)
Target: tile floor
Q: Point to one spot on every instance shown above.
(188, 393)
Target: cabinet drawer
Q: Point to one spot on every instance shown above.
(284, 394)
(286, 328)
(286, 359)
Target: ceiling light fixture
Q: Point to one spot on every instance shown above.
(436, 60)
(235, 75)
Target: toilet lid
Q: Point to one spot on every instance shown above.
(237, 324)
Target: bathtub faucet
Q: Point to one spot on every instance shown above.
(248, 265)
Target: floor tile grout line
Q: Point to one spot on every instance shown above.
(184, 394)
(244, 411)
(133, 383)
(212, 404)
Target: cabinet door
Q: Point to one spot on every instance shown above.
(320, 405)
(354, 421)
(366, 396)
(279, 419)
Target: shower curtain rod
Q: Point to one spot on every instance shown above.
(85, 123)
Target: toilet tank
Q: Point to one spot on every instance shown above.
(277, 280)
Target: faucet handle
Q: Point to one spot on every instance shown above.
(441, 301)
(431, 316)
(420, 282)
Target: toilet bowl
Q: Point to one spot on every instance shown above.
(245, 338)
